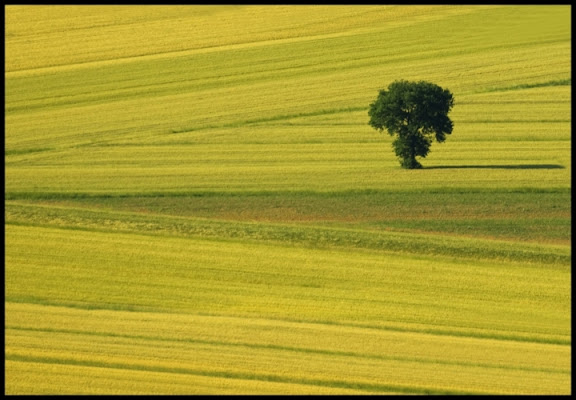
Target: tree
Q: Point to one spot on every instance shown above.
(417, 113)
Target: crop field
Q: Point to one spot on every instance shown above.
(196, 204)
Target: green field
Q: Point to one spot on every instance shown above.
(196, 204)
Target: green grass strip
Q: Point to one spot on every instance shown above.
(560, 82)
(43, 195)
(280, 117)
(285, 234)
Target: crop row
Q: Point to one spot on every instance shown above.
(91, 269)
(365, 371)
(123, 32)
(296, 167)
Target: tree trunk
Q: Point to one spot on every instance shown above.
(410, 162)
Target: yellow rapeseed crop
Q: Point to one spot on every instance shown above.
(195, 203)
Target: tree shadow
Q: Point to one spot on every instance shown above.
(511, 166)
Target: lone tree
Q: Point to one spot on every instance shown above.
(417, 113)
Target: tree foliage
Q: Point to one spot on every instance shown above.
(415, 113)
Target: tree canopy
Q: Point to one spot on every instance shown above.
(415, 113)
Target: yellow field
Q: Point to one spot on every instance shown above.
(158, 353)
(317, 318)
(196, 204)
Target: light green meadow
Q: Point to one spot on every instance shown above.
(196, 204)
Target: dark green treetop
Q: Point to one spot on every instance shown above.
(415, 113)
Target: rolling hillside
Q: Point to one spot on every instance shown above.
(196, 204)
